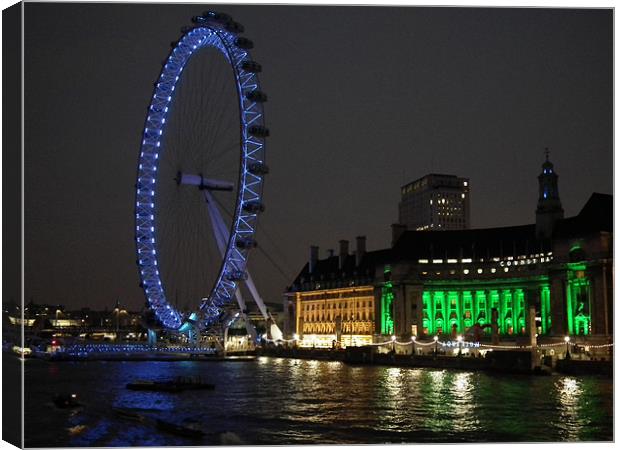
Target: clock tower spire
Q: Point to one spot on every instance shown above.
(549, 208)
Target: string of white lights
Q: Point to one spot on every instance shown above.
(456, 345)
(278, 340)
(597, 346)
(505, 346)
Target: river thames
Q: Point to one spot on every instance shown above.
(288, 402)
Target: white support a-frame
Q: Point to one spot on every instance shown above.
(222, 236)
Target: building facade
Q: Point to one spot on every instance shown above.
(435, 202)
(476, 283)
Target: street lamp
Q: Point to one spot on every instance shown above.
(436, 339)
(393, 344)
(567, 340)
(412, 345)
(460, 341)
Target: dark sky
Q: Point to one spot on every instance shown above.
(361, 101)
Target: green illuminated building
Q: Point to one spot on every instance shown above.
(476, 281)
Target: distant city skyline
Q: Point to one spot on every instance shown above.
(362, 100)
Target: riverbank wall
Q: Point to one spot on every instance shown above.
(505, 361)
(514, 362)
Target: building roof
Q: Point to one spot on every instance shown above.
(412, 245)
(327, 269)
(474, 243)
(596, 215)
(435, 176)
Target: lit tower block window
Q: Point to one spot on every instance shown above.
(387, 303)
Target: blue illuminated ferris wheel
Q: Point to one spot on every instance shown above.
(200, 175)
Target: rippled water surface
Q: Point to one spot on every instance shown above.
(283, 401)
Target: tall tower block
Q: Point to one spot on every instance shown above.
(549, 208)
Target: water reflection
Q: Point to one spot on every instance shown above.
(462, 402)
(285, 401)
(569, 394)
(391, 398)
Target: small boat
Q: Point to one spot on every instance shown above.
(66, 401)
(179, 430)
(128, 414)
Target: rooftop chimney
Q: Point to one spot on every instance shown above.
(314, 256)
(361, 250)
(330, 252)
(344, 251)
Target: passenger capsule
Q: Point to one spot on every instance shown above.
(237, 275)
(244, 43)
(258, 169)
(259, 131)
(253, 206)
(234, 27)
(256, 96)
(199, 19)
(218, 16)
(246, 243)
(251, 66)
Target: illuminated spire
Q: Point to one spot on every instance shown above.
(549, 208)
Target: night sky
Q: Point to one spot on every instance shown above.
(361, 101)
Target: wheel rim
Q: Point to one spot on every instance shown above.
(250, 178)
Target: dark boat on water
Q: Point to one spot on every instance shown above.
(66, 401)
(128, 414)
(179, 430)
(177, 384)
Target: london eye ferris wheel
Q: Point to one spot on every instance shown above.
(200, 175)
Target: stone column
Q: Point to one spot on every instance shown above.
(607, 282)
(559, 316)
(460, 312)
(531, 325)
(598, 300)
(532, 300)
(290, 315)
(487, 304)
(416, 304)
(474, 307)
(515, 312)
(431, 312)
(402, 311)
(377, 296)
(298, 316)
(494, 326)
